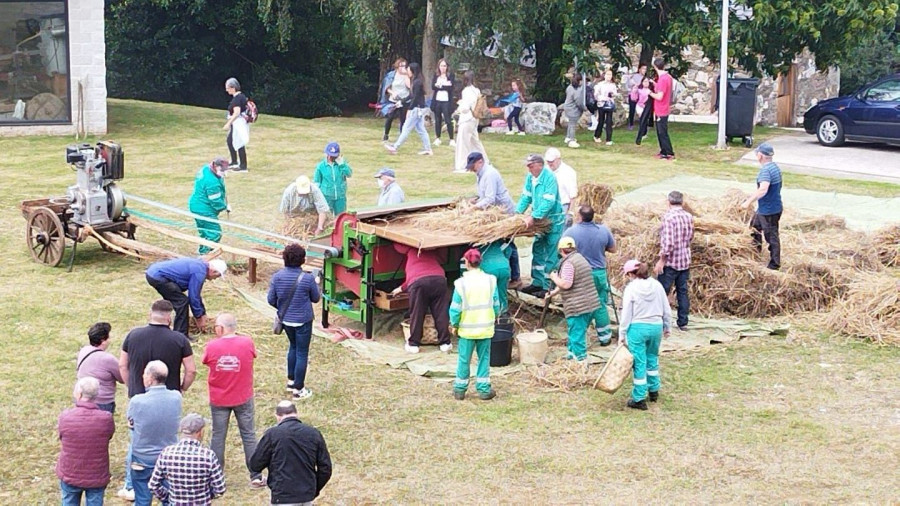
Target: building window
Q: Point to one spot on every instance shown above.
(34, 63)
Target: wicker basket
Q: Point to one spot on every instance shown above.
(615, 371)
(429, 332)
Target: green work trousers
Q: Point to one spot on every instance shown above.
(577, 342)
(209, 231)
(502, 275)
(337, 205)
(544, 256)
(601, 316)
(482, 348)
(643, 343)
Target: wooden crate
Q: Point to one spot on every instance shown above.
(384, 300)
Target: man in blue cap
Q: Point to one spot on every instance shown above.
(391, 193)
(331, 177)
(769, 207)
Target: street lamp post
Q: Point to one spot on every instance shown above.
(723, 77)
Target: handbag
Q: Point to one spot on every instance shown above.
(277, 324)
(608, 106)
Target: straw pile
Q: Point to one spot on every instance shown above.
(564, 375)
(887, 246)
(300, 227)
(485, 226)
(598, 196)
(871, 310)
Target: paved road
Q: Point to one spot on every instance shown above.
(801, 153)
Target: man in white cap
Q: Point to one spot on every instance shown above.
(566, 180)
(391, 193)
(302, 197)
(171, 278)
(188, 472)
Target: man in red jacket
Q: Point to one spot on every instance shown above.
(84, 434)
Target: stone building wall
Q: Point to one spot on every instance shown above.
(87, 65)
(492, 75)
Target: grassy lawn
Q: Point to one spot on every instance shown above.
(810, 418)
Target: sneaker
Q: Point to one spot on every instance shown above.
(437, 141)
(233, 166)
(631, 127)
(682, 328)
(511, 132)
(240, 169)
(653, 396)
(521, 132)
(597, 140)
(427, 152)
(660, 156)
(642, 405)
(289, 386)
(605, 342)
(452, 143)
(567, 140)
(459, 395)
(445, 348)
(125, 494)
(530, 289)
(391, 149)
(303, 393)
(488, 396)
(574, 145)
(609, 143)
(670, 158)
(411, 349)
(258, 483)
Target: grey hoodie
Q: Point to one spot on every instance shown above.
(644, 301)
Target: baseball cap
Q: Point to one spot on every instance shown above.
(473, 157)
(766, 149)
(191, 423)
(303, 185)
(333, 149)
(385, 171)
(473, 256)
(552, 154)
(533, 158)
(566, 243)
(631, 266)
(219, 266)
(219, 162)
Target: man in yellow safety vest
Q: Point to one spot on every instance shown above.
(473, 310)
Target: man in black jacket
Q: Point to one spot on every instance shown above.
(297, 458)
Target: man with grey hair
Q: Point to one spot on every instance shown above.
(541, 194)
(297, 458)
(84, 434)
(391, 193)
(673, 266)
(230, 360)
(153, 418)
(768, 213)
(188, 472)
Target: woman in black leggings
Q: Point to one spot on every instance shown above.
(442, 101)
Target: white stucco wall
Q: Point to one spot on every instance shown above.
(87, 65)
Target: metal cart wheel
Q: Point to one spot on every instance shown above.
(45, 236)
(748, 141)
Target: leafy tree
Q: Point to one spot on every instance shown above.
(871, 59)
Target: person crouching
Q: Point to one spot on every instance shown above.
(473, 310)
(646, 318)
(575, 282)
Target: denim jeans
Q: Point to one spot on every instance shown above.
(680, 278)
(221, 416)
(415, 120)
(71, 495)
(298, 353)
(111, 407)
(140, 478)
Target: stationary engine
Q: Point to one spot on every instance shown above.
(95, 199)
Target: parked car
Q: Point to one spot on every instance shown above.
(872, 114)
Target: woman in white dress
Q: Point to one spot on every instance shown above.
(467, 139)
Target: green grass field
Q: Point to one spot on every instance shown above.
(811, 418)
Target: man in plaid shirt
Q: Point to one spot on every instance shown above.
(188, 473)
(674, 263)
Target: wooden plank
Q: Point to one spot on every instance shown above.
(375, 212)
(140, 247)
(415, 237)
(258, 255)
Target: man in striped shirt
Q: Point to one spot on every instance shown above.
(674, 263)
(188, 473)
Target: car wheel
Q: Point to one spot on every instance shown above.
(830, 131)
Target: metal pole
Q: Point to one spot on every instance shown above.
(723, 77)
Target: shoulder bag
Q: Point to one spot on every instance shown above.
(278, 325)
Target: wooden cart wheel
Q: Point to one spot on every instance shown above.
(45, 236)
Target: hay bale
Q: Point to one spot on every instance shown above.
(598, 196)
(887, 246)
(563, 375)
(484, 225)
(871, 310)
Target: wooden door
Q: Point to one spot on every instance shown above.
(784, 103)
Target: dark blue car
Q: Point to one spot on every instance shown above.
(872, 114)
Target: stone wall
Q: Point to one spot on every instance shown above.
(492, 75)
(87, 65)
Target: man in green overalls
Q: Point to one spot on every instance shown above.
(331, 177)
(541, 193)
(495, 261)
(209, 200)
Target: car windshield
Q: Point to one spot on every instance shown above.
(888, 91)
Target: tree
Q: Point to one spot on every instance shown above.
(871, 59)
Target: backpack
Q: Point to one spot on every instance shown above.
(252, 113)
(590, 101)
(481, 111)
(677, 91)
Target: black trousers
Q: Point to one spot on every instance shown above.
(644, 122)
(767, 225)
(632, 107)
(398, 112)
(604, 118)
(234, 154)
(514, 115)
(662, 135)
(442, 112)
(172, 293)
(429, 294)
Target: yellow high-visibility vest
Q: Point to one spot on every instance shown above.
(476, 288)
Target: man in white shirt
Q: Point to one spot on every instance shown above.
(566, 179)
